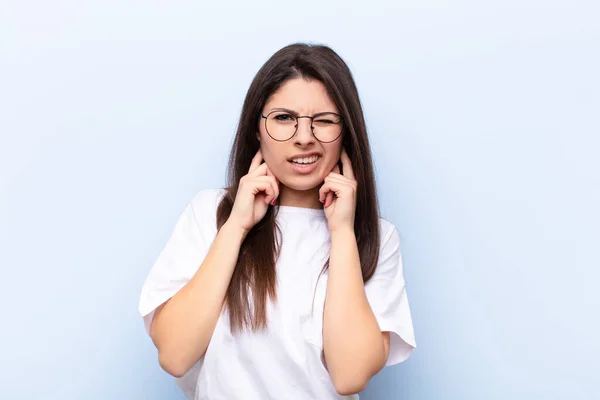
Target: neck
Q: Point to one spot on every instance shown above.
(300, 198)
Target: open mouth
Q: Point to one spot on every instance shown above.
(306, 160)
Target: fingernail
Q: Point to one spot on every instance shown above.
(273, 202)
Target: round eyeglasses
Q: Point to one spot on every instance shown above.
(282, 125)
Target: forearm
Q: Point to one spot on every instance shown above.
(353, 343)
(183, 326)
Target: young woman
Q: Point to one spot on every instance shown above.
(287, 284)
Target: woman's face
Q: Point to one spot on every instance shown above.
(302, 162)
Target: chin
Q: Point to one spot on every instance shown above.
(302, 185)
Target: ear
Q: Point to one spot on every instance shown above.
(258, 136)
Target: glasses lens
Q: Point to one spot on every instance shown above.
(281, 125)
(327, 127)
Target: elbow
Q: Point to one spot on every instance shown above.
(175, 359)
(174, 366)
(349, 386)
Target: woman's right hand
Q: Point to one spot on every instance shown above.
(256, 190)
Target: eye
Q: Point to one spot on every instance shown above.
(283, 117)
(327, 119)
(324, 121)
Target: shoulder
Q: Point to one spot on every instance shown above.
(207, 200)
(203, 206)
(388, 234)
(390, 258)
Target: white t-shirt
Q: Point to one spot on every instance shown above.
(283, 361)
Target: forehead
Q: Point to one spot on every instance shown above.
(302, 96)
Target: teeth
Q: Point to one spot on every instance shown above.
(306, 160)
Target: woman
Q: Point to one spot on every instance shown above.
(286, 285)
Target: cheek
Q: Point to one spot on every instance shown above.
(271, 153)
(265, 143)
(333, 155)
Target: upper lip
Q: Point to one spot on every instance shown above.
(305, 155)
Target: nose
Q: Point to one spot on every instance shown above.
(304, 135)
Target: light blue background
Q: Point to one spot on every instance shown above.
(484, 121)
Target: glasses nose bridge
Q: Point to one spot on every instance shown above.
(310, 126)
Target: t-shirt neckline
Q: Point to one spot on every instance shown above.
(301, 210)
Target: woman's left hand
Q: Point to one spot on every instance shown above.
(338, 195)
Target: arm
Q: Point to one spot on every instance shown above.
(181, 330)
(354, 347)
(182, 327)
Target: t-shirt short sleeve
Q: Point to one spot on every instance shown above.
(386, 293)
(185, 250)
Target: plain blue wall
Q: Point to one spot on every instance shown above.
(484, 120)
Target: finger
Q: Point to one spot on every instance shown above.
(346, 164)
(272, 193)
(275, 184)
(261, 170)
(323, 191)
(266, 185)
(329, 199)
(328, 192)
(270, 174)
(340, 179)
(256, 161)
(333, 175)
(340, 186)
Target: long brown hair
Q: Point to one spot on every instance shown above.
(254, 279)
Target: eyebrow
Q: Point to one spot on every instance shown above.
(296, 114)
